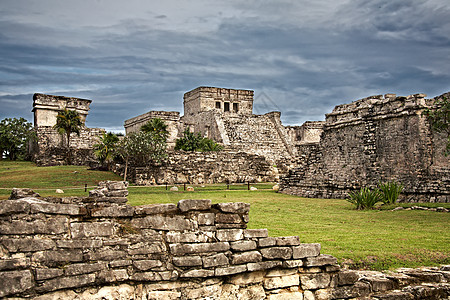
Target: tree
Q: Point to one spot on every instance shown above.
(142, 149)
(68, 122)
(439, 118)
(105, 150)
(15, 135)
(158, 127)
(195, 142)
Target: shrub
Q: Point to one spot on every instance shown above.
(364, 198)
(195, 142)
(390, 191)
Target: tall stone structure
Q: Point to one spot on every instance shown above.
(50, 148)
(379, 138)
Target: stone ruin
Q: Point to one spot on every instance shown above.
(99, 247)
(379, 138)
(50, 147)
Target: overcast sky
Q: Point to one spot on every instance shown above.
(300, 57)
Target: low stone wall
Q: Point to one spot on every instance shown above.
(206, 168)
(99, 247)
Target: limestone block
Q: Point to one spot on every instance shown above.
(215, 260)
(280, 272)
(206, 292)
(84, 268)
(233, 207)
(287, 241)
(230, 235)
(153, 209)
(256, 233)
(243, 245)
(154, 276)
(306, 250)
(14, 206)
(315, 281)
(281, 282)
(359, 289)
(286, 296)
(115, 275)
(230, 270)
(115, 185)
(106, 254)
(54, 208)
(347, 277)
(91, 229)
(166, 295)
(57, 226)
(147, 248)
(267, 242)
(66, 282)
(247, 278)
(113, 211)
(182, 249)
(174, 189)
(320, 260)
(27, 245)
(264, 265)
(277, 252)
(122, 193)
(14, 263)
(84, 244)
(197, 273)
(51, 258)
(206, 219)
(246, 257)
(59, 191)
(379, 284)
(295, 263)
(144, 265)
(189, 237)
(157, 222)
(323, 294)
(308, 295)
(188, 205)
(228, 218)
(14, 282)
(120, 263)
(43, 274)
(18, 193)
(187, 261)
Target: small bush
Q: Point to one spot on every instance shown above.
(364, 198)
(390, 191)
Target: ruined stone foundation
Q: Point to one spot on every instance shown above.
(99, 247)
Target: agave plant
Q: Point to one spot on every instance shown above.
(364, 198)
(390, 191)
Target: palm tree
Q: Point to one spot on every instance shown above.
(105, 150)
(68, 121)
(157, 128)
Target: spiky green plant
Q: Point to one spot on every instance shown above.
(390, 191)
(364, 198)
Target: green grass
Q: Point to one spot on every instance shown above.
(373, 239)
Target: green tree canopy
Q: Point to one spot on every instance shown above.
(195, 142)
(158, 127)
(68, 122)
(15, 135)
(105, 150)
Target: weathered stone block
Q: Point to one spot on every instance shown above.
(166, 295)
(246, 257)
(43, 274)
(379, 284)
(84, 244)
(281, 282)
(277, 252)
(27, 245)
(243, 245)
(234, 207)
(153, 209)
(306, 250)
(359, 289)
(280, 272)
(247, 278)
(144, 265)
(215, 260)
(286, 296)
(88, 229)
(228, 218)
(14, 282)
(147, 248)
(120, 263)
(287, 241)
(115, 185)
(315, 281)
(347, 277)
(187, 261)
(116, 275)
(189, 237)
(267, 242)
(206, 219)
(14, 263)
(320, 260)
(14, 206)
(256, 233)
(230, 235)
(188, 205)
(264, 265)
(55, 208)
(181, 249)
(230, 270)
(157, 222)
(154, 276)
(293, 263)
(66, 282)
(56, 257)
(106, 254)
(122, 193)
(58, 225)
(84, 268)
(114, 211)
(197, 273)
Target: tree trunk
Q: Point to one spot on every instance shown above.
(126, 169)
(69, 153)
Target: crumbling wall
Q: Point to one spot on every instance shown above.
(371, 140)
(99, 247)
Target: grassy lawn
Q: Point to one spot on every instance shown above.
(375, 239)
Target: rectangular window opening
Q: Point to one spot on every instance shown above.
(226, 106)
(218, 104)
(235, 107)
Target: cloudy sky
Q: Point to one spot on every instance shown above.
(300, 57)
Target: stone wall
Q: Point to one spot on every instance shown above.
(99, 247)
(205, 167)
(371, 140)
